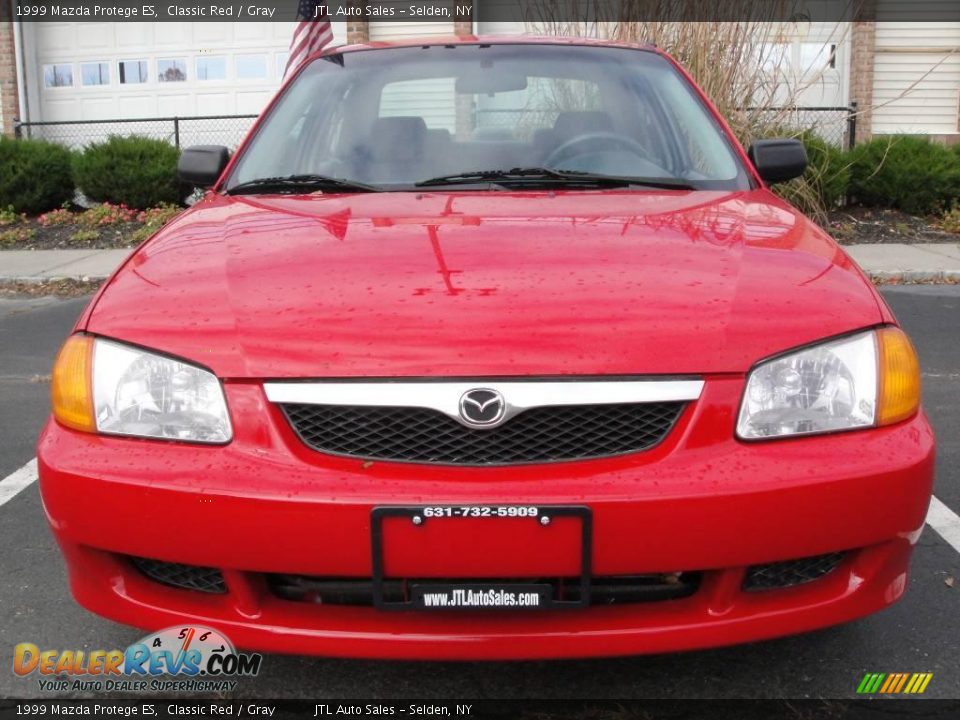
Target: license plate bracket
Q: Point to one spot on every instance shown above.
(449, 513)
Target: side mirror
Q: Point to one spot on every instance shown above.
(778, 159)
(201, 165)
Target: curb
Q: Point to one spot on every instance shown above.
(879, 277)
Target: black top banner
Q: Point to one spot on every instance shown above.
(542, 11)
(327, 709)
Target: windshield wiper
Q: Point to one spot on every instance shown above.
(540, 175)
(300, 183)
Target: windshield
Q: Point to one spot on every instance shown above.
(392, 118)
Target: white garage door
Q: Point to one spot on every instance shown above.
(101, 71)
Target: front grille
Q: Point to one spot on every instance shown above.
(186, 577)
(612, 590)
(791, 572)
(544, 434)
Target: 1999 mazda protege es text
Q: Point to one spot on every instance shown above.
(488, 349)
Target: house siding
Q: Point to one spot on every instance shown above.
(917, 78)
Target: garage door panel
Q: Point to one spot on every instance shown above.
(252, 102)
(177, 104)
(137, 35)
(96, 35)
(62, 109)
(99, 107)
(138, 106)
(172, 34)
(55, 39)
(215, 104)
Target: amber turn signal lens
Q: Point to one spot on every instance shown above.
(71, 387)
(899, 396)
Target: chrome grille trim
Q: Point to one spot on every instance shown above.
(518, 396)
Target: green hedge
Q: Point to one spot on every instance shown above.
(134, 171)
(908, 173)
(35, 175)
(823, 186)
(828, 170)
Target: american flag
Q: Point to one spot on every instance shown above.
(310, 35)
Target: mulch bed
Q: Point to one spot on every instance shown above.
(849, 226)
(34, 236)
(854, 225)
(60, 288)
(931, 281)
(79, 288)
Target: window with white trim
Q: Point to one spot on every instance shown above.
(58, 75)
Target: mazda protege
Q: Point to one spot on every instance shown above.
(488, 348)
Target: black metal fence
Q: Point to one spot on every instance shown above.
(836, 125)
(226, 130)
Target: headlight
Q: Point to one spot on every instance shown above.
(103, 386)
(872, 378)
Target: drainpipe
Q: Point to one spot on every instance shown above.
(23, 105)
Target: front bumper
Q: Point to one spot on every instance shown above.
(701, 501)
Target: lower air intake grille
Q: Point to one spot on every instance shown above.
(544, 434)
(186, 577)
(613, 590)
(790, 572)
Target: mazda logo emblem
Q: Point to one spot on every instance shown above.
(482, 407)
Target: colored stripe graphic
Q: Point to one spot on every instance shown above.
(870, 683)
(892, 679)
(894, 683)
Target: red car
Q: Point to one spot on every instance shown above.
(488, 349)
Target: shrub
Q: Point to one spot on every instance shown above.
(85, 236)
(106, 214)
(908, 173)
(16, 236)
(823, 186)
(8, 216)
(133, 171)
(60, 216)
(35, 176)
(828, 170)
(154, 219)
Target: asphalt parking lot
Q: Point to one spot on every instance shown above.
(920, 634)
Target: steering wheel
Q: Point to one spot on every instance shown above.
(581, 145)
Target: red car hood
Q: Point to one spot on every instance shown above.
(485, 284)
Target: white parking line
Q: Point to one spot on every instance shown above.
(945, 521)
(939, 516)
(17, 481)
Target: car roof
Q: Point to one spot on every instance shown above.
(486, 40)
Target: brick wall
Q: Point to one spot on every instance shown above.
(358, 31)
(463, 28)
(9, 102)
(863, 42)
